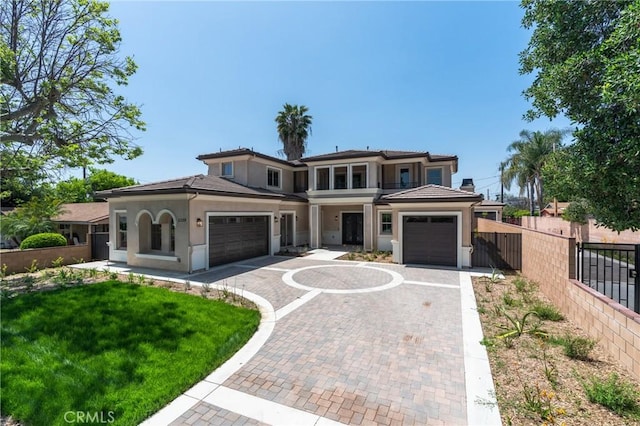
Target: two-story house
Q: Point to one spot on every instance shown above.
(250, 204)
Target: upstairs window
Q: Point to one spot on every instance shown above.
(322, 178)
(434, 176)
(359, 176)
(273, 177)
(340, 177)
(226, 169)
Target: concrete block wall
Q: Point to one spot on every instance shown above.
(588, 232)
(549, 260)
(18, 261)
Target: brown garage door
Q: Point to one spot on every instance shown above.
(233, 238)
(430, 240)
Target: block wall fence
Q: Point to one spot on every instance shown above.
(549, 260)
(588, 232)
(18, 261)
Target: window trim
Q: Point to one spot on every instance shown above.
(279, 171)
(222, 163)
(380, 222)
(366, 175)
(118, 232)
(426, 175)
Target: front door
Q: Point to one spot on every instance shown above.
(352, 228)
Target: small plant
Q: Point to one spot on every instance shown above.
(187, 286)
(113, 275)
(547, 312)
(540, 402)
(496, 275)
(33, 268)
(28, 281)
(577, 347)
(56, 263)
(62, 277)
(3, 271)
(204, 291)
(522, 286)
(351, 256)
(519, 326)
(550, 370)
(93, 273)
(141, 279)
(617, 395)
(509, 300)
(131, 278)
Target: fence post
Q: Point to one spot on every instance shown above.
(636, 287)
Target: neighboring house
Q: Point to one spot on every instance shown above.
(250, 204)
(491, 210)
(550, 210)
(76, 220)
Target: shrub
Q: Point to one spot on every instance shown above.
(47, 239)
(577, 347)
(547, 312)
(617, 395)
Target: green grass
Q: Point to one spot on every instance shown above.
(118, 349)
(547, 312)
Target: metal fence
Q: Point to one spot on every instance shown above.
(612, 270)
(497, 250)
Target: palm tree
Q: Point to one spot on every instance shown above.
(294, 126)
(524, 165)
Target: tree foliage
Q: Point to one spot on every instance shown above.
(525, 164)
(77, 190)
(59, 64)
(294, 127)
(586, 60)
(34, 217)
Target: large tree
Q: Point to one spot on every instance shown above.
(77, 190)
(525, 164)
(294, 127)
(585, 56)
(60, 63)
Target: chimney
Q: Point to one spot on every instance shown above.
(467, 185)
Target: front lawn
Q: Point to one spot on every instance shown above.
(120, 350)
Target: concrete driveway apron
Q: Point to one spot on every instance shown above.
(353, 343)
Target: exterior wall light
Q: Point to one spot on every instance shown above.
(275, 219)
(199, 223)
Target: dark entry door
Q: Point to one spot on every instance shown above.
(352, 228)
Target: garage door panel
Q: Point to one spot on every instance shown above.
(430, 240)
(233, 238)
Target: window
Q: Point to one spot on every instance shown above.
(156, 236)
(385, 223)
(340, 177)
(121, 237)
(65, 229)
(273, 177)
(226, 169)
(359, 176)
(434, 176)
(322, 178)
(404, 178)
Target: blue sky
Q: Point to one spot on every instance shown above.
(435, 76)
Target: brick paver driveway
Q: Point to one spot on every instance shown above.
(355, 343)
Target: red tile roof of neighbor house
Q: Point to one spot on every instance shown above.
(339, 155)
(429, 193)
(205, 184)
(83, 213)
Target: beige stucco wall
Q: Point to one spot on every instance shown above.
(177, 206)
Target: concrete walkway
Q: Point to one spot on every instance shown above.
(345, 343)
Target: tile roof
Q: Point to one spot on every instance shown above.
(386, 154)
(430, 192)
(351, 153)
(246, 151)
(205, 184)
(83, 212)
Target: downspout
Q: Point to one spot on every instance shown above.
(190, 247)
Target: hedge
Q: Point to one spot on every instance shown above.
(48, 239)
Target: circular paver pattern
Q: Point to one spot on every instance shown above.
(342, 278)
